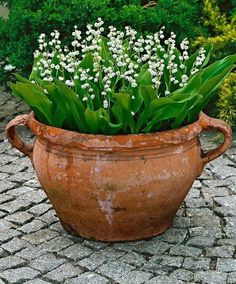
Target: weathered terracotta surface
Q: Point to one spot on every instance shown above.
(117, 188)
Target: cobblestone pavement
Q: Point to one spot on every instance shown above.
(34, 248)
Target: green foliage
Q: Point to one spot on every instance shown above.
(131, 106)
(223, 30)
(227, 100)
(29, 18)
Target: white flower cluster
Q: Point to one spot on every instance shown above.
(116, 61)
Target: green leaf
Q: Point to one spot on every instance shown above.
(35, 99)
(144, 77)
(216, 68)
(136, 103)
(121, 110)
(193, 86)
(107, 127)
(154, 107)
(167, 112)
(207, 91)
(61, 112)
(35, 73)
(75, 105)
(189, 62)
(148, 94)
(104, 52)
(93, 120)
(87, 62)
(96, 101)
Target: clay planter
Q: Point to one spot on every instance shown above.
(117, 188)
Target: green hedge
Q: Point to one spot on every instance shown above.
(29, 18)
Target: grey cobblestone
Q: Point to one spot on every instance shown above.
(226, 211)
(134, 259)
(164, 280)
(6, 185)
(76, 252)
(231, 278)
(115, 270)
(46, 262)
(14, 245)
(8, 234)
(137, 277)
(63, 272)
(182, 274)
(35, 249)
(33, 226)
(18, 275)
(210, 277)
(88, 278)
(183, 250)
(220, 251)
(15, 205)
(36, 281)
(31, 252)
(19, 218)
(10, 262)
(226, 264)
(40, 236)
(196, 263)
(58, 244)
(99, 258)
(40, 209)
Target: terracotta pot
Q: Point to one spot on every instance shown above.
(117, 188)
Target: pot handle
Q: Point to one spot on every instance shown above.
(14, 139)
(208, 123)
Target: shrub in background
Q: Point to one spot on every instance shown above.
(223, 40)
(29, 18)
(227, 100)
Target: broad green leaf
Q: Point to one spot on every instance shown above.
(206, 91)
(189, 62)
(97, 101)
(148, 94)
(87, 62)
(144, 77)
(154, 107)
(136, 103)
(35, 99)
(121, 110)
(192, 86)
(217, 67)
(61, 112)
(184, 113)
(33, 85)
(107, 127)
(35, 73)
(93, 120)
(214, 82)
(167, 112)
(104, 52)
(76, 106)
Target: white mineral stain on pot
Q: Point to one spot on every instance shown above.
(165, 175)
(179, 150)
(106, 207)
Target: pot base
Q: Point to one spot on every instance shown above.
(72, 231)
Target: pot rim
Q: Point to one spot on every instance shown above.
(71, 138)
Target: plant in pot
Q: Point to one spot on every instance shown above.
(117, 120)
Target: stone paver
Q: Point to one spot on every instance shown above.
(34, 248)
(19, 274)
